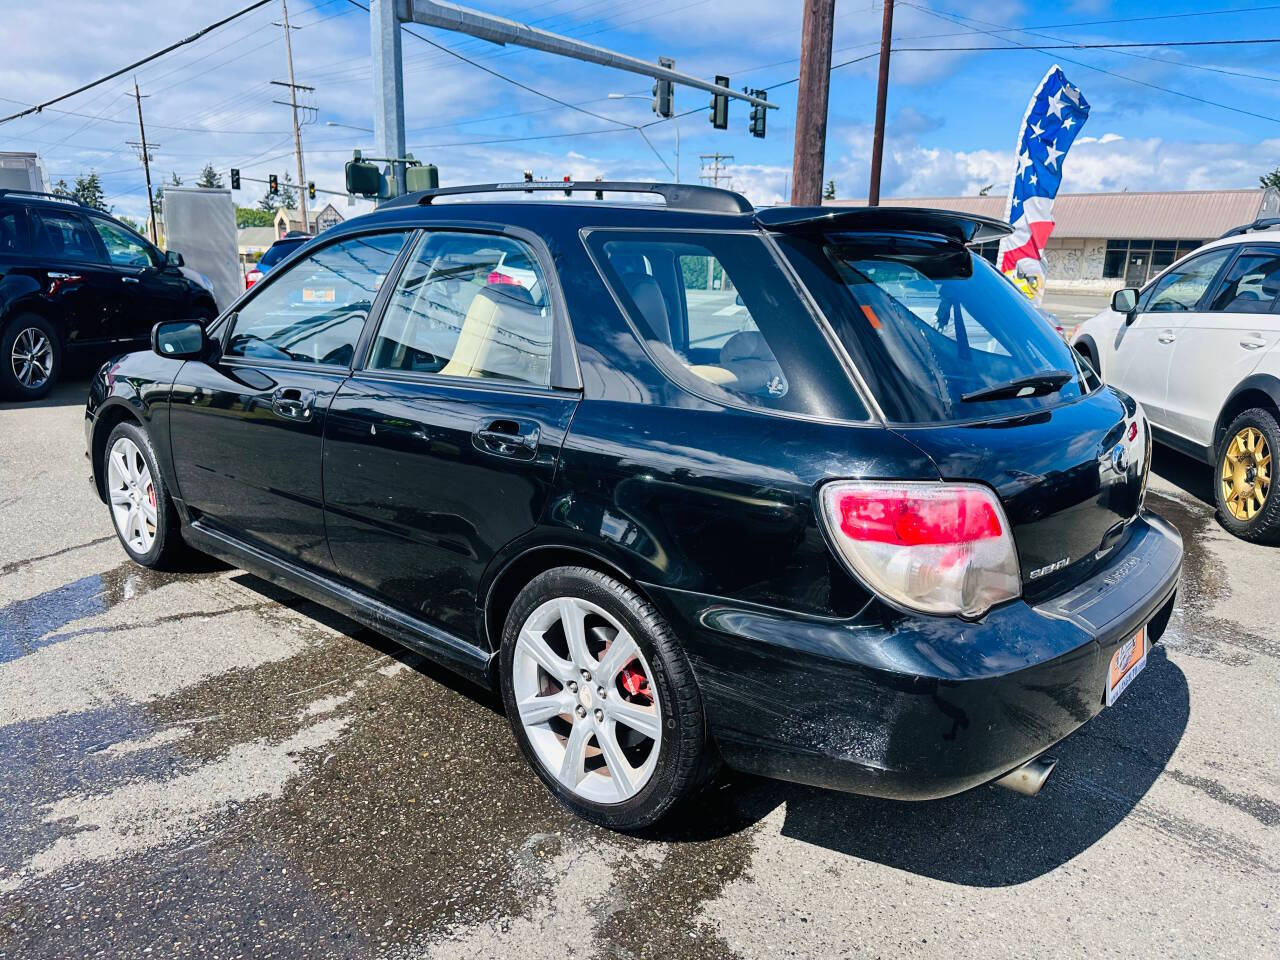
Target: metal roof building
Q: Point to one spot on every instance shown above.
(1104, 240)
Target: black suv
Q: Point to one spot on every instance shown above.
(811, 491)
(78, 284)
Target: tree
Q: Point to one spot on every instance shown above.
(88, 191)
(253, 217)
(174, 181)
(1272, 179)
(209, 178)
(829, 191)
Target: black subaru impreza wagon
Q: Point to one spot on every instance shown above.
(812, 492)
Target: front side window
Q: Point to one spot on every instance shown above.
(61, 235)
(936, 331)
(1251, 286)
(719, 317)
(468, 305)
(1182, 287)
(123, 248)
(314, 311)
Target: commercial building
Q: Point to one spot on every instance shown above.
(1104, 241)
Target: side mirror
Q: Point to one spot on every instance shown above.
(178, 339)
(1125, 301)
(173, 258)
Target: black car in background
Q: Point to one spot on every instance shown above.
(810, 491)
(76, 284)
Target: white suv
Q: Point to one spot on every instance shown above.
(1197, 348)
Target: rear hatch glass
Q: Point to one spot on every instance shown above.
(935, 330)
(943, 342)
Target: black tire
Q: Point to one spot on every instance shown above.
(686, 758)
(11, 385)
(1263, 525)
(168, 546)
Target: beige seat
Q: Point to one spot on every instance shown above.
(503, 335)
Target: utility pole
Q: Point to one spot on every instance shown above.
(882, 95)
(146, 162)
(715, 163)
(297, 132)
(811, 102)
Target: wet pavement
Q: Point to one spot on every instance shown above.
(201, 764)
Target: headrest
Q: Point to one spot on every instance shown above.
(648, 298)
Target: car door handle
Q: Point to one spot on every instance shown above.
(508, 438)
(130, 279)
(1253, 343)
(292, 403)
(1167, 336)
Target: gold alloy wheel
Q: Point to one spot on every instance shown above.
(1246, 474)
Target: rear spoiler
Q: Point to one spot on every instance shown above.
(962, 227)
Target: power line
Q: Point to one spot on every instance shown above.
(137, 63)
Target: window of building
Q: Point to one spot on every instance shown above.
(314, 311)
(469, 305)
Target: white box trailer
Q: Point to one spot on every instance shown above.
(200, 224)
(21, 171)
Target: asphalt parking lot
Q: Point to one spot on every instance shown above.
(202, 765)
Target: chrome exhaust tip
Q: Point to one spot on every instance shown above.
(1030, 777)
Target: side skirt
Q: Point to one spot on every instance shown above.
(458, 655)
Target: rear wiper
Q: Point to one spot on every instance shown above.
(1049, 381)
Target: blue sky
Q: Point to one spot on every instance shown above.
(953, 114)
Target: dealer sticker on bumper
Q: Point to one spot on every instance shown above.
(1126, 663)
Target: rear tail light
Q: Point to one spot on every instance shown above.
(940, 548)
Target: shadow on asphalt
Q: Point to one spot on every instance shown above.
(987, 837)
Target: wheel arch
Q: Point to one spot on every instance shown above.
(1259, 390)
(513, 573)
(113, 413)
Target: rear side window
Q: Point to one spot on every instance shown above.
(314, 311)
(14, 238)
(468, 305)
(720, 317)
(1252, 285)
(63, 236)
(929, 324)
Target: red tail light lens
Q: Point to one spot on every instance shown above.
(941, 548)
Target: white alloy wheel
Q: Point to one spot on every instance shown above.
(132, 494)
(587, 700)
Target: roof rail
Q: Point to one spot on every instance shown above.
(1262, 223)
(41, 193)
(678, 196)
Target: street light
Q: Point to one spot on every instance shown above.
(334, 123)
(675, 120)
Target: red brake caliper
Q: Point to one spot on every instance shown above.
(635, 683)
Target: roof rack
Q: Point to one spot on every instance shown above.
(678, 196)
(41, 193)
(1262, 223)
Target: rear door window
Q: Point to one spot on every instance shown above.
(1252, 285)
(935, 331)
(62, 235)
(468, 305)
(720, 318)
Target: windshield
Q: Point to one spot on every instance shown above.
(936, 332)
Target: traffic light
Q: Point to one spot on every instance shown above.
(311, 189)
(758, 113)
(720, 106)
(235, 179)
(273, 184)
(664, 92)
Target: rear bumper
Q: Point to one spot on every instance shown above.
(920, 707)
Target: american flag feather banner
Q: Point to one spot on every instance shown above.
(1054, 117)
